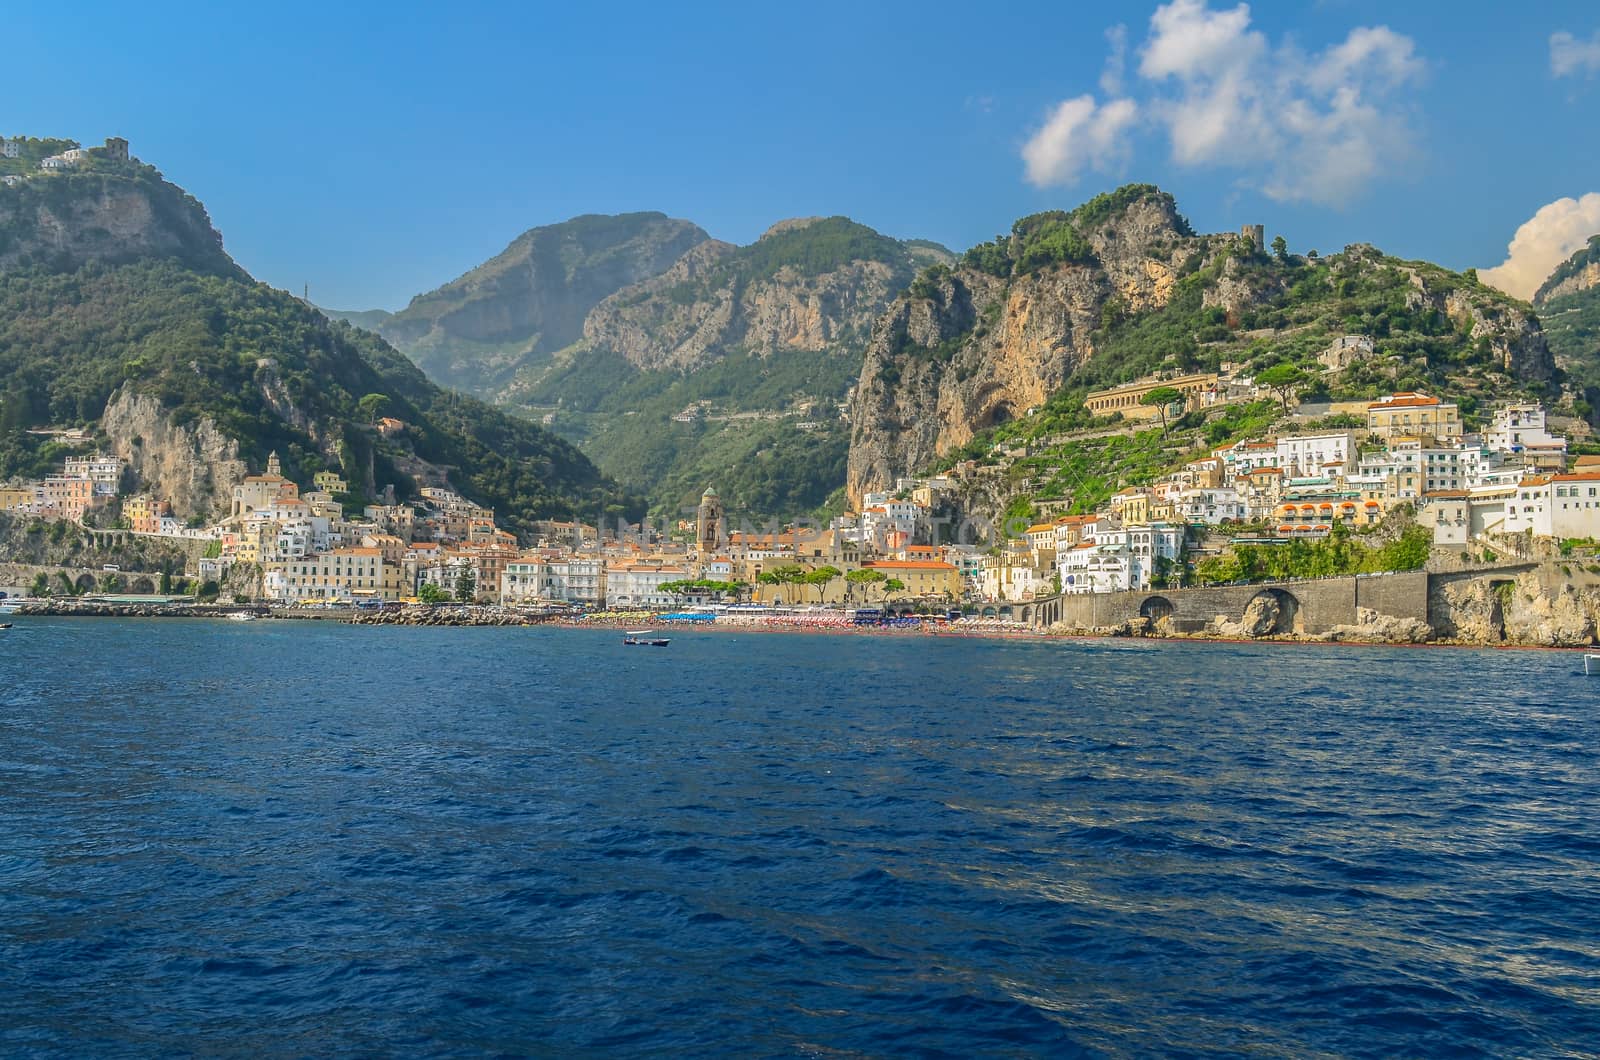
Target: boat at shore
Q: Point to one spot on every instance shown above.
(241, 616)
(643, 638)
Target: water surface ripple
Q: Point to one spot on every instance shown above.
(306, 839)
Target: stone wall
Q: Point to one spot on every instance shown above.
(1312, 607)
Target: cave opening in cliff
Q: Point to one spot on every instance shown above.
(999, 413)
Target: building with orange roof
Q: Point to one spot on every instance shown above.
(259, 491)
(921, 577)
(1411, 413)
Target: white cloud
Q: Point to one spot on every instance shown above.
(1544, 241)
(1078, 134)
(1317, 128)
(1116, 60)
(1570, 56)
(1190, 41)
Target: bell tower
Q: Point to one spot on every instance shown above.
(710, 530)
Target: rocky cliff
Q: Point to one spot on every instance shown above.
(1536, 608)
(103, 211)
(982, 343)
(1585, 279)
(772, 296)
(531, 299)
(1121, 287)
(1579, 273)
(194, 466)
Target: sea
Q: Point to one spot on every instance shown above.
(309, 839)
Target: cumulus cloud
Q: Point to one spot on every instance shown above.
(1570, 56)
(1079, 133)
(1302, 127)
(1544, 241)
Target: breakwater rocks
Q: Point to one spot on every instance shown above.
(62, 608)
(463, 615)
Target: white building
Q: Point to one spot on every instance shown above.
(1304, 455)
(1557, 506)
(1449, 515)
(1093, 567)
(554, 578)
(1517, 427)
(10, 148)
(1011, 576)
(891, 516)
(1211, 506)
(1156, 541)
(634, 586)
(104, 471)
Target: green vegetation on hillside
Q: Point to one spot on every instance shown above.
(1341, 552)
(623, 417)
(1300, 307)
(811, 250)
(229, 349)
(1059, 236)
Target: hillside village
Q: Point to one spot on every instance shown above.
(1509, 488)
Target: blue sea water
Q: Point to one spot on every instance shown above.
(304, 839)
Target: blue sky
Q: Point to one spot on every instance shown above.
(378, 150)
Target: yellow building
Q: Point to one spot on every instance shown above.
(922, 577)
(1133, 505)
(346, 573)
(1128, 399)
(1408, 413)
(330, 482)
(12, 499)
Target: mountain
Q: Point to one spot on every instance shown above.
(1577, 274)
(365, 319)
(729, 367)
(120, 311)
(515, 310)
(1569, 307)
(1010, 338)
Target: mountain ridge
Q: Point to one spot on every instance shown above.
(114, 285)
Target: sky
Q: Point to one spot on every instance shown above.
(375, 151)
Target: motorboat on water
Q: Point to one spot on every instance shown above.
(643, 637)
(242, 616)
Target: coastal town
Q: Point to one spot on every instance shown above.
(1502, 489)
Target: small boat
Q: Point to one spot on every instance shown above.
(641, 637)
(5, 625)
(241, 616)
